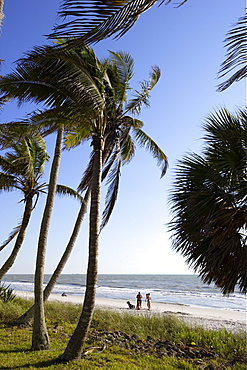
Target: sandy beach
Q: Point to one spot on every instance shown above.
(206, 317)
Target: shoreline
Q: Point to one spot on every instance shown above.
(208, 318)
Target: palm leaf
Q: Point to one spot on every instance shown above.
(93, 21)
(134, 105)
(145, 141)
(208, 201)
(236, 44)
(14, 232)
(56, 78)
(112, 192)
(63, 190)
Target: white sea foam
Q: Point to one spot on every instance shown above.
(177, 289)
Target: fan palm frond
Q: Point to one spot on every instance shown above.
(209, 204)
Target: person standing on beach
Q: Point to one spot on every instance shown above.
(148, 299)
(139, 301)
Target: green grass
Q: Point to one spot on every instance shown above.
(61, 320)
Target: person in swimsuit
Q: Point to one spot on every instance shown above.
(148, 299)
(139, 301)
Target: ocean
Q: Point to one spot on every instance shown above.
(178, 289)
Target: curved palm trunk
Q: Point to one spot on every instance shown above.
(27, 317)
(19, 241)
(1, 12)
(74, 348)
(40, 339)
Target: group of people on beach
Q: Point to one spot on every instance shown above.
(139, 302)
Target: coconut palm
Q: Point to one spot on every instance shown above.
(118, 149)
(27, 318)
(92, 21)
(101, 127)
(209, 204)
(34, 80)
(21, 169)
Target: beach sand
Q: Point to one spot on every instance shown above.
(208, 318)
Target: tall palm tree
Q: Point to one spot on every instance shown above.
(73, 86)
(118, 148)
(97, 87)
(21, 169)
(209, 204)
(27, 318)
(92, 21)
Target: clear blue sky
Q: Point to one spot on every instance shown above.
(187, 44)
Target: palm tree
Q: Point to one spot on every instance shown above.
(93, 21)
(118, 149)
(34, 80)
(27, 318)
(21, 169)
(92, 89)
(236, 43)
(209, 203)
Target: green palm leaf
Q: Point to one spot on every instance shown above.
(12, 235)
(236, 44)
(145, 141)
(93, 21)
(63, 190)
(209, 204)
(134, 105)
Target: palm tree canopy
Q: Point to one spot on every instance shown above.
(86, 93)
(236, 57)
(22, 167)
(92, 21)
(209, 204)
(119, 147)
(58, 79)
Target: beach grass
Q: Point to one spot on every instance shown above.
(229, 348)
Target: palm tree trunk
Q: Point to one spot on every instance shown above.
(40, 339)
(74, 348)
(27, 318)
(1, 13)
(19, 241)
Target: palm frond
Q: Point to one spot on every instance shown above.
(145, 141)
(127, 147)
(12, 235)
(112, 192)
(93, 21)
(87, 175)
(63, 190)
(134, 105)
(124, 64)
(56, 78)
(209, 203)
(236, 44)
